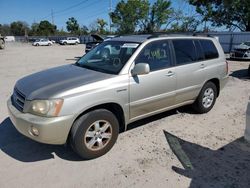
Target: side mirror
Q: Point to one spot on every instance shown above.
(140, 69)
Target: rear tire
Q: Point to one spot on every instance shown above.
(206, 99)
(94, 133)
(64, 43)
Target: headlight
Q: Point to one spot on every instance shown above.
(49, 108)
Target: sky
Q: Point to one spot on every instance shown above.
(85, 11)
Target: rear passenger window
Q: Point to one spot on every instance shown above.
(184, 51)
(209, 49)
(199, 51)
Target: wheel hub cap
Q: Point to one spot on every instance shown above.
(98, 135)
(208, 97)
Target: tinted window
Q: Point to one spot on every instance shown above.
(199, 51)
(184, 51)
(209, 49)
(156, 54)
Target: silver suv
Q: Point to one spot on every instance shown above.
(120, 81)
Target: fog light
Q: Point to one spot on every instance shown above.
(34, 131)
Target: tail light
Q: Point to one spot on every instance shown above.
(227, 67)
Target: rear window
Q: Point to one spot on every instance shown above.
(184, 51)
(209, 49)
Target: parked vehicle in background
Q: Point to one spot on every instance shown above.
(70, 40)
(42, 42)
(241, 51)
(249, 70)
(98, 39)
(53, 41)
(120, 81)
(2, 42)
(9, 39)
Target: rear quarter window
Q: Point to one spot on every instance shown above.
(209, 49)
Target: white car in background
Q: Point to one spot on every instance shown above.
(42, 42)
(70, 40)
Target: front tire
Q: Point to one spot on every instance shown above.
(2, 44)
(206, 99)
(94, 133)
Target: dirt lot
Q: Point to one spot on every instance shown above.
(213, 152)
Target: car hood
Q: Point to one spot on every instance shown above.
(97, 37)
(242, 47)
(49, 83)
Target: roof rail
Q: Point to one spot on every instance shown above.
(164, 34)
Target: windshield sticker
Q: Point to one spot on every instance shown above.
(130, 45)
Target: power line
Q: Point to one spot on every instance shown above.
(66, 9)
(79, 9)
(73, 6)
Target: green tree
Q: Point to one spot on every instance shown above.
(72, 25)
(158, 15)
(34, 29)
(45, 28)
(229, 13)
(183, 23)
(19, 28)
(84, 30)
(127, 15)
(101, 25)
(5, 29)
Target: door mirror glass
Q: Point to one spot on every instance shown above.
(140, 69)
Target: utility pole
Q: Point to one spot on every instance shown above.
(52, 16)
(110, 10)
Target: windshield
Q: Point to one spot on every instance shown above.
(108, 57)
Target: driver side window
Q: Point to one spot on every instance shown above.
(156, 54)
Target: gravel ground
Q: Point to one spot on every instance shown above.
(174, 149)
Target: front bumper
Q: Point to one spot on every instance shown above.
(239, 55)
(247, 130)
(53, 130)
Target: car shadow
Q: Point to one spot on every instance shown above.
(24, 149)
(181, 110)
(227, 166)
(240, 74)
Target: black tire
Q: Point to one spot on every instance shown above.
(49, 44)
(37, 44)
(64, 43)
(203, 107)
(79, 138)
(2, 44)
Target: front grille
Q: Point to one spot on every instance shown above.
(18, 99)
(239, 54)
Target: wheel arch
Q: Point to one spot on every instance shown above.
(216, 82)
(113, 107)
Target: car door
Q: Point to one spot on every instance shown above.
(190, 69)
(155, 91)
(71, 40)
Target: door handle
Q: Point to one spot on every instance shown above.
(202, 66)
(170, 73)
